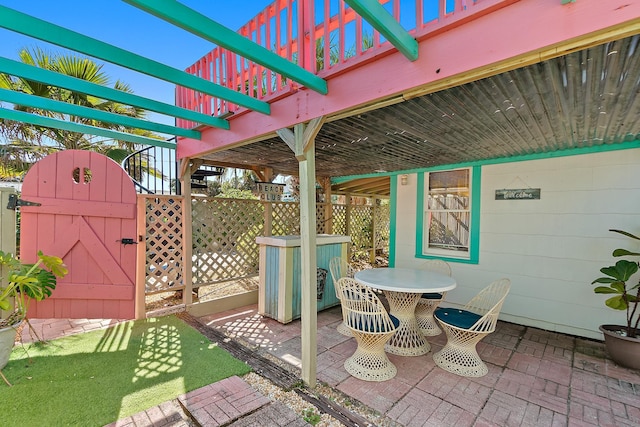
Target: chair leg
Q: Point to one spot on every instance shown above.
(343, 329)
(424, 315)
(459, 356)
(370, 362)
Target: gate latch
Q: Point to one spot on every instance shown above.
(127, 241)
(14, 202)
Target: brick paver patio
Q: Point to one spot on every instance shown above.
(536, 377)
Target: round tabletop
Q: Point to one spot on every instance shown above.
(413, 280)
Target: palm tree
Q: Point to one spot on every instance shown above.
(26, 143)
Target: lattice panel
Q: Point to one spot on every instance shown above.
(360, 227)
(224, 236)
(224, 239)
(163, 243)
(339, 219)
(381, 224)
(320, 219)
(285, 219)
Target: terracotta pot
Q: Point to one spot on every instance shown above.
(624, 351)
(7, 338)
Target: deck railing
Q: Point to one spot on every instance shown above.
(153, 170)
(323, 36)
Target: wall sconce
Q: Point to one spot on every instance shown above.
(404, 179)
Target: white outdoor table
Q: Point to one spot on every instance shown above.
(403, 287)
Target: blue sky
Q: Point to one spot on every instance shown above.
(122, 25)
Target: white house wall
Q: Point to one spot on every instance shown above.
(551, 248)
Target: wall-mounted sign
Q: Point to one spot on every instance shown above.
(268, 191)
(518, 194)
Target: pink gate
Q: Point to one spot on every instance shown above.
(86, 213)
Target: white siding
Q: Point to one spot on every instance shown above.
(551, 248)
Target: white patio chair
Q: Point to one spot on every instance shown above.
(429, 302)
(372, 327)
(466, 327)
(339, 268)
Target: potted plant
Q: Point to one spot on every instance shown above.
(622, 342)
(22, 282)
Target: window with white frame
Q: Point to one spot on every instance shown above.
(447, 213)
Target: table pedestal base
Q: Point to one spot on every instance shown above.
(408, 339)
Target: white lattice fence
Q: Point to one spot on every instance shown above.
(224, 239)
(225, 231)
(361, 227)
(381, 225)
(163, 243)
(339, 219)
(285, 218)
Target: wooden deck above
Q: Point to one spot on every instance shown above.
(482, 88)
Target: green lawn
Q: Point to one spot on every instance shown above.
(95, 378)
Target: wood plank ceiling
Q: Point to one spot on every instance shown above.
(583, 99)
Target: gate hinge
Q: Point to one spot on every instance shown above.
(14, 202)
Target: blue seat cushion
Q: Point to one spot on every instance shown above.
(433, 295)
(366, 327)
(459, 318)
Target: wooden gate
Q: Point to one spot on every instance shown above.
(86, 210)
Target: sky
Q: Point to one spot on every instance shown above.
(122, 25)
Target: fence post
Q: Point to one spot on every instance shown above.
(141, 263)
(328, 210)
(187, 239)
(7, 222)
(347, 223)
(7, 229)
(372, 256)
(268, 206)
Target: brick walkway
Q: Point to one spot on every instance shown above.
(536, 377)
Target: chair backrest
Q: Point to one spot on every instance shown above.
(487, 304)
(339, 268)
(362, 310)
(438, 266)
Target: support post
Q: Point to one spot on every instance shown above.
(268, 206)
(302, 143)
(374, 212)
(141, 264)
(328, 207)
(347, 224)
(187, 233)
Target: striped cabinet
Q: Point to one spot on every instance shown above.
(279, 295)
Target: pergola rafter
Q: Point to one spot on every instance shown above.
(51, 33)
(376, 15)
(40, 102)
(33, 119)
(48, 77)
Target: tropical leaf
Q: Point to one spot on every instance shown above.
(15, 160)
(624, 252)
(625, 233)
(604, 290)
(53, 263)
(617, 303)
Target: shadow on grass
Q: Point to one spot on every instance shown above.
(98, 377)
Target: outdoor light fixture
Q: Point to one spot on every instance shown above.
(404, 179)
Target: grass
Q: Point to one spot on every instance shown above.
(96, 378)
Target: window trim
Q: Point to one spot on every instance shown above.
(474, 237)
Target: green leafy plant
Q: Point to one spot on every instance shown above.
(625, 296)
(311, 416)
(24, 282)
